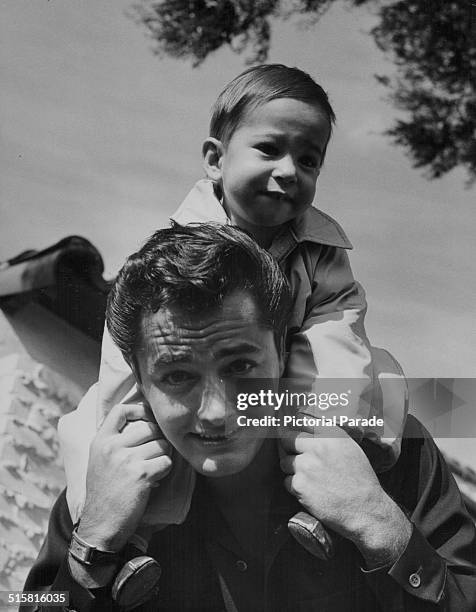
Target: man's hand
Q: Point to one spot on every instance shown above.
(333, 480)
(127, 458)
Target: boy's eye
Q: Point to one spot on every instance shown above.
(267, 148)
(309, 161)
(239, 367)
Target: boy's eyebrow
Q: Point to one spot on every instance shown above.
(306, 141)
(313, 145)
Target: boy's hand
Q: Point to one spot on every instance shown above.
(127, 458)
(333, 480)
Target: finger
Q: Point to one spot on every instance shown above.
(299, 442)
(152, 449)
(314, 430)
(304, 427)
(292, 441)
(158, 468)
(288, 464)
(140, 432)
(288, 484)
(121, 413)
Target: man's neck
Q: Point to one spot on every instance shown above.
(244, 499)
(256, 481)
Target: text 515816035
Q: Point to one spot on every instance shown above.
(16, 598)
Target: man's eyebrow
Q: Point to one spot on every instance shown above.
(235, 349)
(181, 357)
(170, 358)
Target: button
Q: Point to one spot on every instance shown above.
(414, 580)
(241, 565)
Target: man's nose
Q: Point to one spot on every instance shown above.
(213, 410)
(285, 169)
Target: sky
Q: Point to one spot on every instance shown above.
(101, 138)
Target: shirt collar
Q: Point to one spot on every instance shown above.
(201, 205)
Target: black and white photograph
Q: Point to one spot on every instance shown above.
(237, 321)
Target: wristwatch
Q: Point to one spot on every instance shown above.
(136, 582)
(86, 554)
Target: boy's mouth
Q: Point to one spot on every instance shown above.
(279, 196)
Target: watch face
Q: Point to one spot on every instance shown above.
(80, 551)
(88, 555)
(137, 582)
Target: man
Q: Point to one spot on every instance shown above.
(197, 308)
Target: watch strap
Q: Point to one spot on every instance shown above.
(86, 554)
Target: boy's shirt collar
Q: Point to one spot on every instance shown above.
(201, 205)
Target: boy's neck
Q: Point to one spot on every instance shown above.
(264, 236)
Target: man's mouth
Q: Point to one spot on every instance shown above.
(214, 438)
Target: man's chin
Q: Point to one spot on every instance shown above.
(216, 468)
(215, 458)
(228, 464)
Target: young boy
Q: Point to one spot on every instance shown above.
(269, 133)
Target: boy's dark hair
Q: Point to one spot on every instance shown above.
(259, 85)
(193, 268)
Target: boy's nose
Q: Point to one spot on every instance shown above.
(285, 169)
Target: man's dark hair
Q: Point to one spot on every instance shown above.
(193, 268)
(259, 85)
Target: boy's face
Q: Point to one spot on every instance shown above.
(269, 167)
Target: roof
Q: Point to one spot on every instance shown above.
(55, 299)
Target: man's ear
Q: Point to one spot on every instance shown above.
(134, 366)
(135, 370)
(281, 356)
(212, 151)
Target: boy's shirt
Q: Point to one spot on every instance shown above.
(326, 339)
(326, 336)
(311, 253)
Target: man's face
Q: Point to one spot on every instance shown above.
(185, 363)
(271, 163)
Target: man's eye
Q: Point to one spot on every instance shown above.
(240, 367)
(267, 148)
(309, 161)
(177, 378)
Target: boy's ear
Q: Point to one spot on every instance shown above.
(212, 151)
